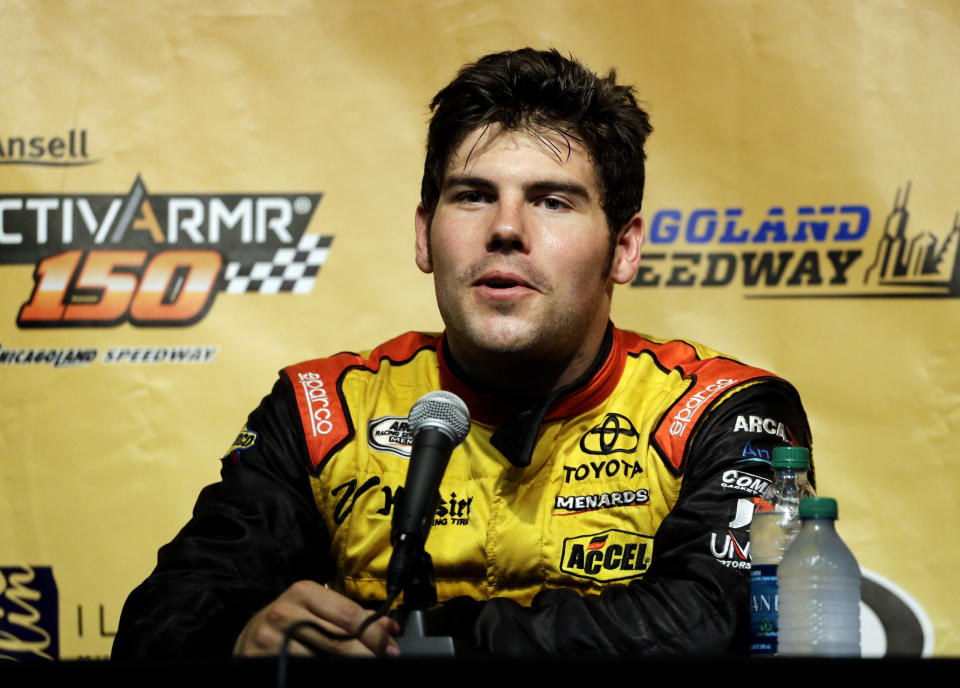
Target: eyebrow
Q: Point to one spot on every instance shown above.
(539, 186)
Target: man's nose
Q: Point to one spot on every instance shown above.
(508, 230)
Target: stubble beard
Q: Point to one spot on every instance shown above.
(510, 338)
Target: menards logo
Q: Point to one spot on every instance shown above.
(155, 259)
(811, 251)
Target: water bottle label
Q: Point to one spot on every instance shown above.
(764, 607)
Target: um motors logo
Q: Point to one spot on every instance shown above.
(810, 251)
(608, 556)
(733, 549)
(155, 259)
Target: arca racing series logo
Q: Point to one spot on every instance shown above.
(155, 259)
(390, 434)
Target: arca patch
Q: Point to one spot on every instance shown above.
(390, 434)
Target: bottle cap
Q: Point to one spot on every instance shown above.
(791, 457)
(818, 507)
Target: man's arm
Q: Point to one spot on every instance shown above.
(252, 535)
(694, 597)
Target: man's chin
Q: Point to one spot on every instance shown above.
(516, 343)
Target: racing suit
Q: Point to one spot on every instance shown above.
(612, 518)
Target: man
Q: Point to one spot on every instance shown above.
(598, 504)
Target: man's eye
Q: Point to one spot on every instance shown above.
(472, 197)
(553, 204)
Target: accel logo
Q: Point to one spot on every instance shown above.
(607, 556)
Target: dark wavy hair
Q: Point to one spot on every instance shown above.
(537, 90)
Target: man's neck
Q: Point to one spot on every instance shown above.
(523, 381)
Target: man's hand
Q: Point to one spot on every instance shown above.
(310, 601)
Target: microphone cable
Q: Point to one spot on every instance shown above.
(290, 634)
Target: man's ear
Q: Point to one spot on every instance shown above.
(422, 223)
(626, 253)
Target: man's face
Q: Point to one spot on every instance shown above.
(519, 247)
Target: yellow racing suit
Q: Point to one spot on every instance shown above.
(612, 518)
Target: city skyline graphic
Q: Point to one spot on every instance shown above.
(917, 265)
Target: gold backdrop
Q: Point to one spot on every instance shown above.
(194, 194)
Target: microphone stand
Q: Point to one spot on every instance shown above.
(419, 594)
(439, 422)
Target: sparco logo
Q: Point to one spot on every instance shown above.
(606, 500)
(816, 250)
(317, 402)
(615, 434)
(152, 259)
(608, 556)
(390, 434)
(744, 482)
(680, 419)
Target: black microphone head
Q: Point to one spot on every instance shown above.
(443, 411)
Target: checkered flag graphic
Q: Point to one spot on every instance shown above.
(292, 270)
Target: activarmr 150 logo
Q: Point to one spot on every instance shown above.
(155, 259)
(818, 251)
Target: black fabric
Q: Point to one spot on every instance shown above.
(516, 437)
(252, 535)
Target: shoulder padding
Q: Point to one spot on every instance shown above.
(707, 380)
(323, 410)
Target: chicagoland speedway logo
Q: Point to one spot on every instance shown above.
(154, 259)
(812, 251)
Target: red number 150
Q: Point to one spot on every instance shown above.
(101, 288)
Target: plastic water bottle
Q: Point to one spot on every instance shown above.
(819, 588)
(776, 522)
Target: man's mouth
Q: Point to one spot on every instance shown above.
(501, 281)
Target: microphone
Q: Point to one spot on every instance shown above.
(439, 421)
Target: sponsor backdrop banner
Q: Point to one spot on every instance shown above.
(194, 194)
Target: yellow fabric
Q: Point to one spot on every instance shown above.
(499, 531)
